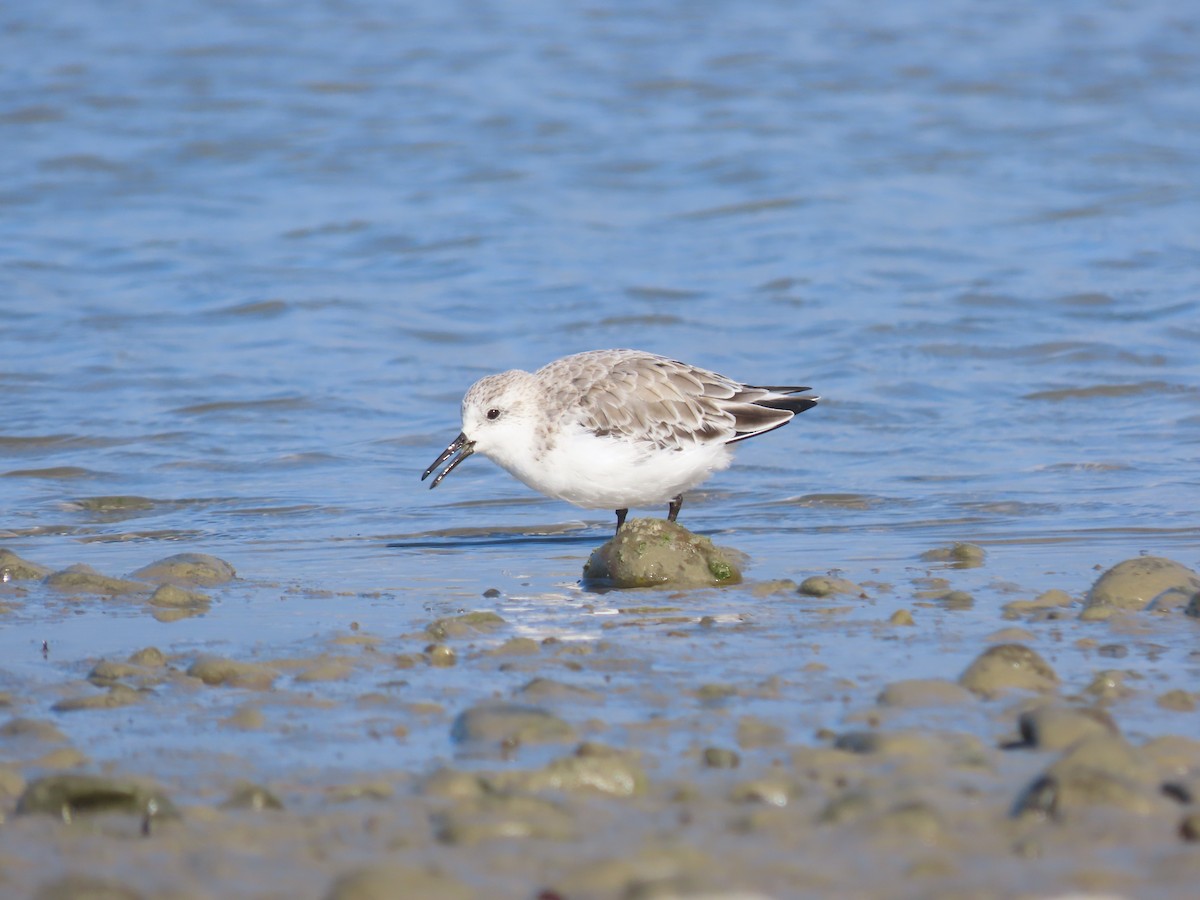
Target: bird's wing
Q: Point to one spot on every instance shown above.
(671, 405)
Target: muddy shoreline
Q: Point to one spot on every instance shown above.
(602, 762)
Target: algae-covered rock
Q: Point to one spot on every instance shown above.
(14, 568)
(117, 696)
(214, 670)
(253, 797)
(190, 569)
(466, 625)
(613, 774)
(1008, 667)
(471, 821)
(958, 555)
(387, 881)
(1132, 584)
(828, 586)
(918, 692)
(83, 579)
(69, 796)
(509, 723)
(172, 596)
(1101, 770)
(85, 887)
(22, 728)
(1058, 727)
(658, 553)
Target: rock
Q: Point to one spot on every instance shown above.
(958, 555)
(486, 818)
(654, 553)
(150, 657)
(720, 758)
(919, 692)
(71, 795)
(509, 723)
(1008, 667)
(14, 568)
(215, 670)
(253, 797)
(85, 887)
(1101, 770)
(117, 696)
(901, 617)
(190, 569)
(387, 881)
(615, 775)
(467, 624)
(170, 596)
(440, 656)
(549, 690)
(83, 579)
(828, 586)
(1058, 727)
(32, 729)
(1134, 583)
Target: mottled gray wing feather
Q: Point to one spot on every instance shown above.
(642, 397)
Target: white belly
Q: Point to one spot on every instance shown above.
(610, 473)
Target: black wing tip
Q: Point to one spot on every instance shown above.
(794, 405)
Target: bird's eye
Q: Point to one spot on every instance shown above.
(493, 414)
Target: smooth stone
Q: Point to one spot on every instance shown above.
(959, 555)
(1134, 583)
(81, 578)
(466, 625)
(1058, 727)
(509, 723)
(828, 586)
(1008, 667)
(198, 569)
(388, 881)
(921, 692)
(218, 671)
(658, 553)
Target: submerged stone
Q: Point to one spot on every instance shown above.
(1131, 585)
(71, 795)
(658, 553)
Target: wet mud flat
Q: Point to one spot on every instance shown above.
(932, 731)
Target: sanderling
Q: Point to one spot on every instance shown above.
(611, 429)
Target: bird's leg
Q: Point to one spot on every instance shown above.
(673, 508)
(621, 514)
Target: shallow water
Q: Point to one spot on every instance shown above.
(250, 258)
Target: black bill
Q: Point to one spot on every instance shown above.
(460, 448)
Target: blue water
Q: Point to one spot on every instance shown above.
(252, 255)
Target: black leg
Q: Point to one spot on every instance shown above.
(621, 514)
(673, 508)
